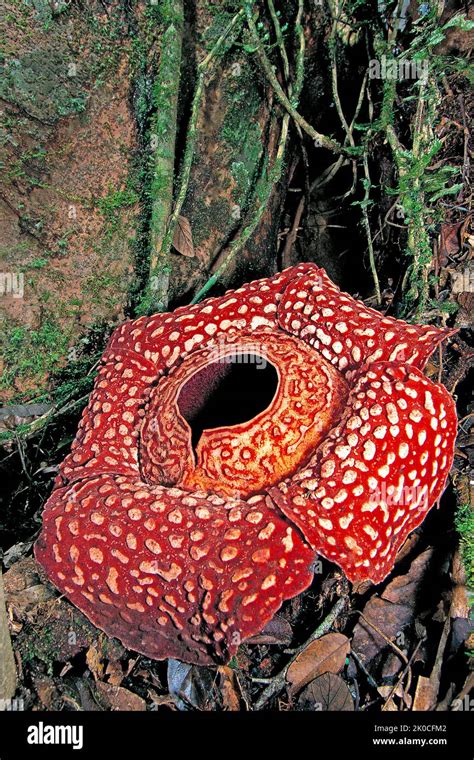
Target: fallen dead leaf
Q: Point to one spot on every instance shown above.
(94, 663)
(183, 237)
(328, 692)
(16, 552)
(158, 700)
(425, 695)
(450, 241)
(192, 687)
(119, 698)
(46, 690)
(277, 631)
(327, 654)
(115, 673)
(86, 699)
(404, 588)
(391, 705)
(390, 613)
(25, 588)
(228, 689)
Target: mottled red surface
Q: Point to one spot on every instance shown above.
(186, 553)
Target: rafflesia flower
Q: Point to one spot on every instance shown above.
(184, 549)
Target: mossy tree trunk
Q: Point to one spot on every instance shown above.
(120, 120)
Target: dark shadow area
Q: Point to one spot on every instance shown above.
(230, 393)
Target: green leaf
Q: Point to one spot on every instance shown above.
(446, 191)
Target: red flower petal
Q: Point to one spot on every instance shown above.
(170, 573)
(107, 437)
(165, 338)
(378, 473)
(348, 333)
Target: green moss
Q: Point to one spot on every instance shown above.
(221, 15)
(422, 179)
(241, 132)
(112, 205)
(30, 354)
(104, 288)
(41, 647)
(464, 522)
(465, 528)
(37, 82)
(69, 381)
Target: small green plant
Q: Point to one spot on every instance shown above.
(38, 263)
(422, 181)
(465, 527)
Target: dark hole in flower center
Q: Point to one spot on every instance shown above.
(228, 392)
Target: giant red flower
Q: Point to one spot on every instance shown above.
(184, 549)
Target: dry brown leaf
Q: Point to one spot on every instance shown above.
(115, 673)
(384, 692)
(391, 705)
(158, 700)
(450, 241)
(46, 690)
(327, 654)
(183, 237)
(228, 688)
(277, 631)
(425, 695)
(404, 588)
(389, 618)
(118, 698)
(328, 692)
(94, 663)
(25, 589)
(7, 660)
(391, 612)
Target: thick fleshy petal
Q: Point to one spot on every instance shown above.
(166, 338)
(107, 436)
(378, 473)
(168, 572)
(348, 333)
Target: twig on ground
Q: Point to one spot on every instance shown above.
(406, 669)
(278, 682)
(362, 667)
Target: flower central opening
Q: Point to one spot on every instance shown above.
(227, 393)
(241, 415)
